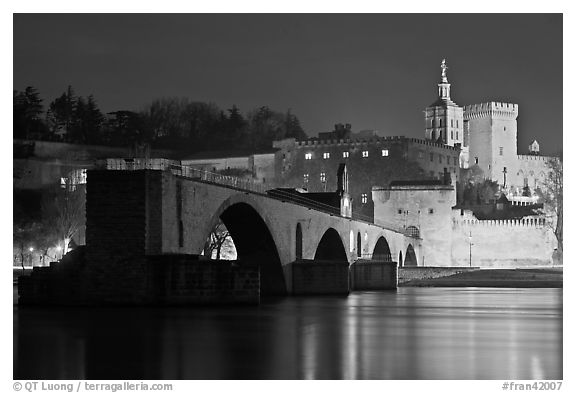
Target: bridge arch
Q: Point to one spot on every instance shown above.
(410, 259)
(382, 250)
(331, 247)
(256, 243)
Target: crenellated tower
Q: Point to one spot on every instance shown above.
(444, 118)
(492, 133)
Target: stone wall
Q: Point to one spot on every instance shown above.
(501, 243)
(315, 277)
(532, 169)
(406, 274)
(423, 208)
(366, 164)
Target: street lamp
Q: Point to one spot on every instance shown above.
(470, 241)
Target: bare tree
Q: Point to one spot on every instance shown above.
(65, 211)
(552, 196)
(216, 240)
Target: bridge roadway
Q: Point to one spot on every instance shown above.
(180, 212)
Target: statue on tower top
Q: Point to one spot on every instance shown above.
(444, 68)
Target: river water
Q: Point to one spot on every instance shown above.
(411, 333)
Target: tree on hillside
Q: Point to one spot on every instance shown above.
(235, 126)
(60, 115)
(27, 111)
(265, 125)
(88, 121)
(180, 122)
(126, 128)
(293, 127)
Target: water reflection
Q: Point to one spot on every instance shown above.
(414, 333)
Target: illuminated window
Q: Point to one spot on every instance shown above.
(306, 177)
(385, 153)
(345, 154)
(308, 156)
(364, 198)
(365, 153)
(323, 177)
(326, 155)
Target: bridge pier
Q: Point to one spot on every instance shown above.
(366, 274)
(320, 277)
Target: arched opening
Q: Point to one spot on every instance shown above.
(255, 246)
(331, 247)
(382, 251)
(219, 244)
(410, 257)
(400, 260)
(298, 241)
(413, 231)
(359, 245)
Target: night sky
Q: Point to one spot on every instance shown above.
(375, 71)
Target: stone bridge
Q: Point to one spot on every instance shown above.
(175, 214)
(146, 229)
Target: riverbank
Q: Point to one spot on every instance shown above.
(497, 278)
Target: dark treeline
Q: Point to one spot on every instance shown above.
(169, 123)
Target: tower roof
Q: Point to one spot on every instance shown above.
(444, 89)
(443, 102)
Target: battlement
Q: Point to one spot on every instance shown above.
(469, 220)
(430, 143)
(349, 142)
(492, 109)
(371, 141)
(526, 157)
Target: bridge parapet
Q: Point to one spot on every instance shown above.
(194, 174)
(176, 168)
